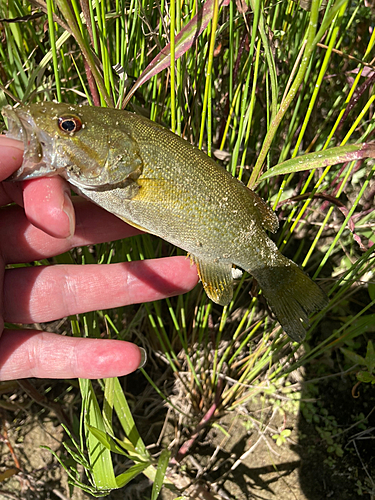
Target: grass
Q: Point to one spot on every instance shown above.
(263, 83)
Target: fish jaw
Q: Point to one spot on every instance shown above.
(39, 147)
(91, 157)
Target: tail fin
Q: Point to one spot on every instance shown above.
(291, 294)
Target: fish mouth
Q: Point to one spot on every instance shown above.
(39, 147)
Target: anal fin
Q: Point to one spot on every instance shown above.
(216, 279)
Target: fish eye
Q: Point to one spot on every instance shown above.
(69, 124)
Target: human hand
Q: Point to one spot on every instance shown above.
(46, 223)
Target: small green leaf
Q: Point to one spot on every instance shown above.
(124, 478)
(281, 438)
(271, 389)
(370, 357)
(100, 436)
(115, 445)
(364, 324)
(339, 451)
(365, 377)
(371, 290)
(355, 358)
(331, 156)
(286, 433)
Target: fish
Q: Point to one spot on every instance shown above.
(160, 183)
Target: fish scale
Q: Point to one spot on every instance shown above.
(158, 182)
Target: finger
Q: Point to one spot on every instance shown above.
(10, 159)
(30, 353)
(2, 276)
(48, 206)
(13, 192)
(41, 294)
(22, 242)
(11, 156)
(47, 200)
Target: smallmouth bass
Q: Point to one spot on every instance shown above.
(158, 182)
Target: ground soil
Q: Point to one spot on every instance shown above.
(245, 464)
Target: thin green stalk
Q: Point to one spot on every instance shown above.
(250, 111)
(271, 65)
(332, 39)
(85, 89)
(162, 396)
(246, 108)
(207, 89)
(118, 31)
(343, 183)
(172, 13)
(184, 345)
(309, 48)
(231, 50)
(178, 75)
(217, 345)
(65, 9)
(51, 33)
(321, 180)
(344, 224)
(235, 104)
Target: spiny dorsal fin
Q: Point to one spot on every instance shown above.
(216, 279)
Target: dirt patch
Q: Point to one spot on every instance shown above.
(39, 472)
(249, 464)
(328, 453)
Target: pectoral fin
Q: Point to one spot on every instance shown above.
(216, 279)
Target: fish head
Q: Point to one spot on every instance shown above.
(80, 143)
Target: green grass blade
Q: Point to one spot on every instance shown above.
(99, 455)
(320, 159)
(160, 474)
(86, 51)
(183, 41)
(126, 420)
(125, 478)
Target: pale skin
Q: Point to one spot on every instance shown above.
(44, 224)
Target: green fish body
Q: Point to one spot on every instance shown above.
(158, 182)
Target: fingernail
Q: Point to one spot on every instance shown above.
(143, 357)
(69, 212)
